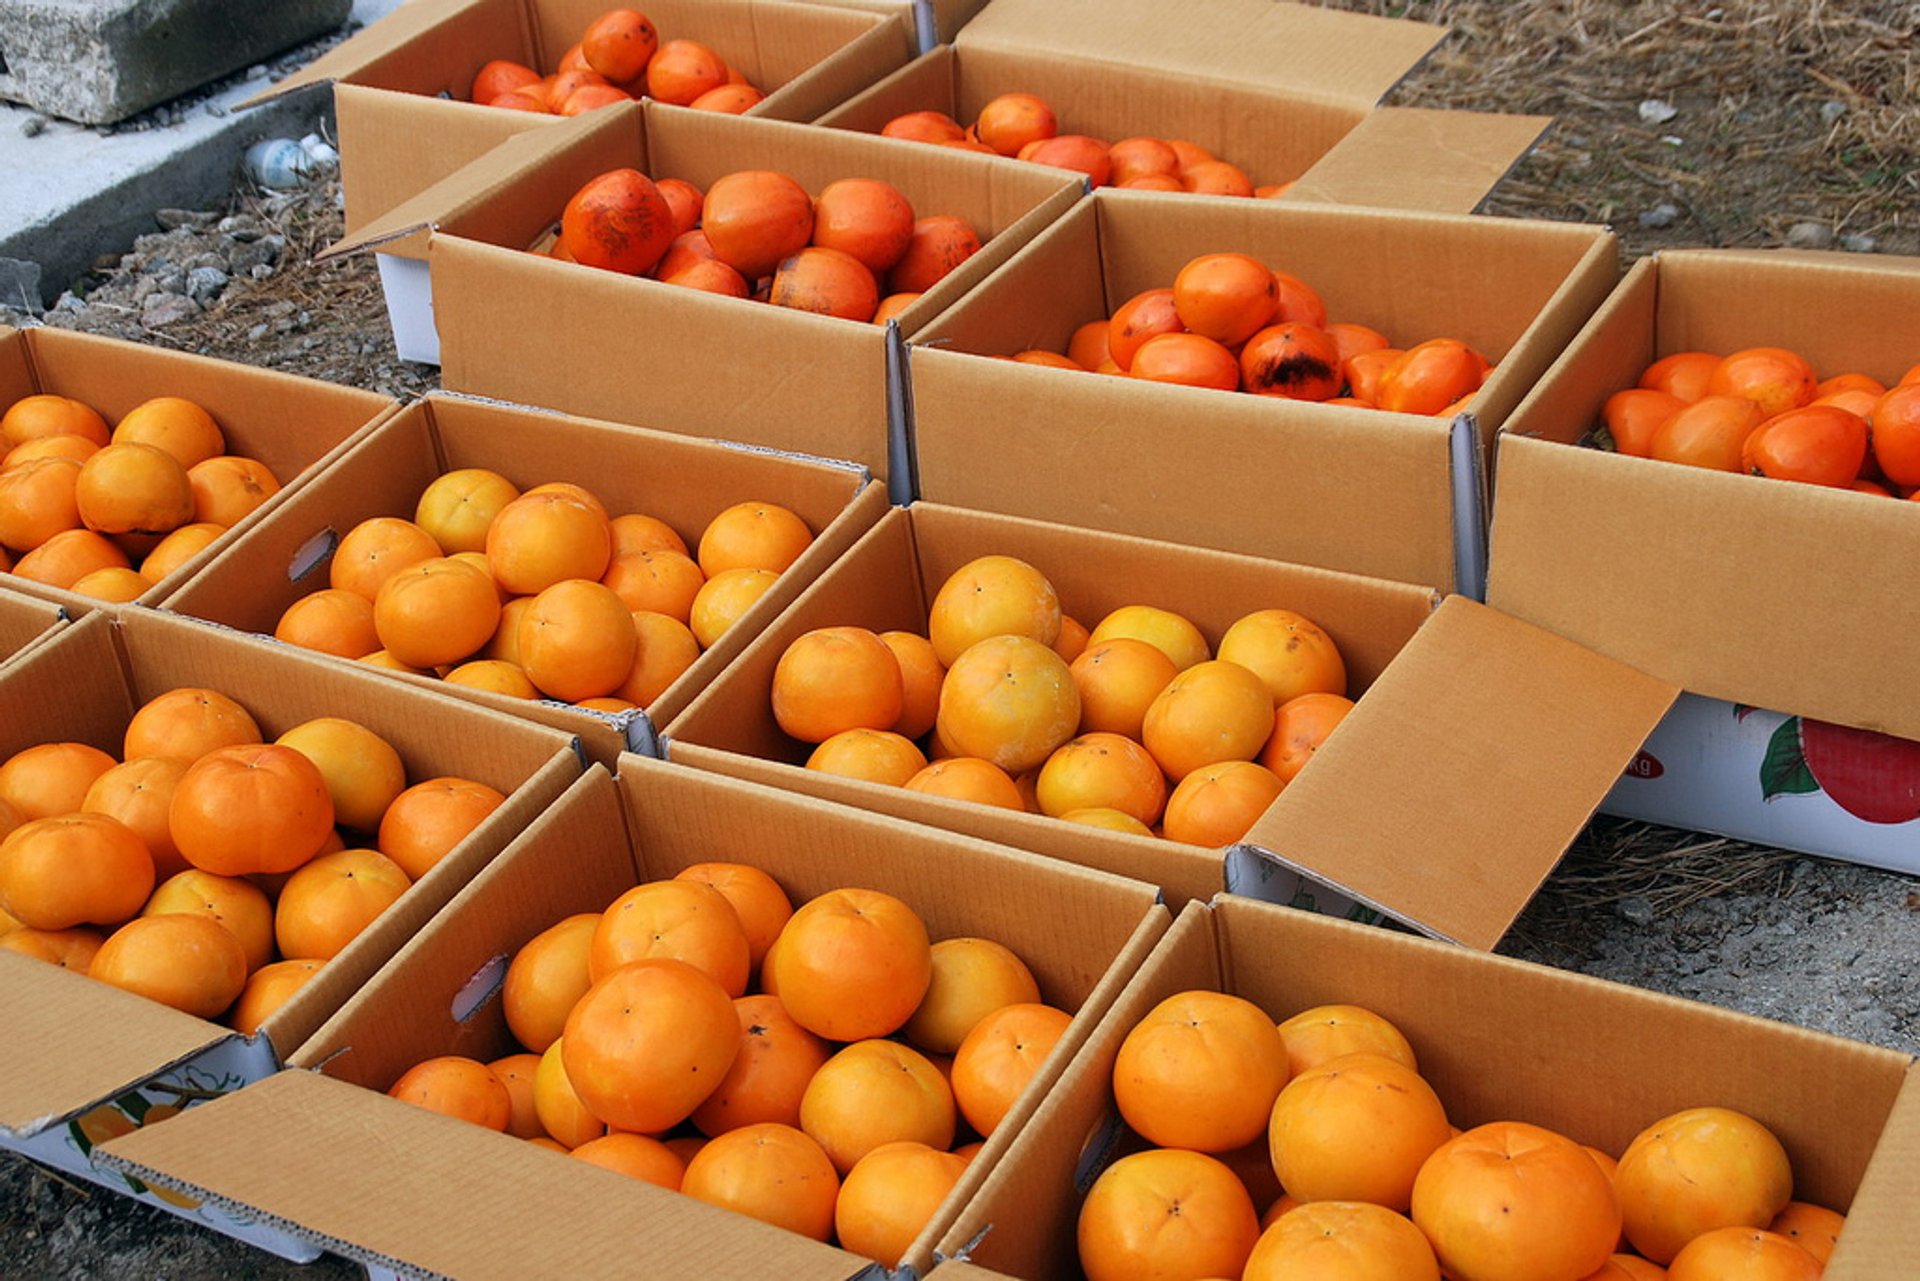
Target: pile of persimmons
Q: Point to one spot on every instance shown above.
(1765, 411)
(1327, 1122)
(619, 57)
(1232, 323)
(858, 252)
(80, 504)
(183, 869)
(1135, 726)
(541, 594)
(828, 1101)
(1024, 126)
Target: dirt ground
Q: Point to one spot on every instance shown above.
(1766, 123)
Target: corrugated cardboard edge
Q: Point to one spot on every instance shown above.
(1421, 159)
(377, 41)
(217, 1152)
(1878, 1241)
(1460, 778)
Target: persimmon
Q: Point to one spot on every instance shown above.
(924, 126)
(649, 1042)
(363, 772)
(69, 949)
(68, 557)
(687, 249)
(666, 649)
(1165, 1212)
(1364, 371)
(1429, 376)
(1171, 633)
(268, 988)
(174, 424)
(51, 779)
(686, 921)
(1321, 1115)
(1292, 360)
(1142, 157)
(1000, 1057)
(1684, 374)
(1697, 1170)
(971, 978)
(1751, 1254)
(875, 755)
(560, 87)
(1218, 804)
(516, 1072)
(1151, 182)
(874, 1092)
(768, 1079)
(851, 964)
(46, 414)
(1301, 725)
(1010, 700)
(531, 98)
(758, 900)
(682, 70)
(565, 1118)
(635, 1155)
(755, 219)
(429, 820)
(1186, 359)
(1816, 444)
(1895, 423)
(438, 611)
(890, 1195)
(1325, 1032)
(138, 793)
(114, 583)
(1772, 377)
(836, 678)
(375, 550)
(459, 1087)
(992, 596)
(1216, 178)
(545, 978)
(238, 905)
(74, 448)
(939, 245)
(892, 305)
(332, 621)
(1012, 120)
(188, 962)
(177, 548)
(1118, 679)
(1342, 1241)
(1208, 714)
(456, 507)
(1102, 771)
(1711, 432)
(1167, 1076)
(1296, 300)
(771, 1172)
(1633, 416)
(968, 778)
(577, 640)
(619, 43)
(327, 902)
(826, 282)
(37, 501)
(74, 869)
(1350, 339)
(729, 99)
(229, 488)
(618, 221)
(1813, 1228)
(500, 76)
(187, 723)
(1226, 296)
(660, 582)
(133, 489)
(865, 218)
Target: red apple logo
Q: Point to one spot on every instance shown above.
(1874, 777)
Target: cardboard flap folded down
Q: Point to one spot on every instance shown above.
(1348, 59)
(1421, 159)
(71, 1041)
(410, 1189)
(1459, 780)
(1878, 1241)
(403, 229)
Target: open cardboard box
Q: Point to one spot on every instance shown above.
(80, 1058)
(291, 424)
(1396, 496)
(682, 481)
(1287, 92)
(596, 342)
(401, 86)
(1498, 1040)
(25, 621)
(494, 1206)
(888, 580)
(1745, 592)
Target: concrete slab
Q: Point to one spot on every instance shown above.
(98, 61)
(74, 193)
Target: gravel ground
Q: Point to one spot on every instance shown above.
(1766, 123)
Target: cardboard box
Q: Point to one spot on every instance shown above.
(290, 424)
(1391, 495)
(599, 343)
(499, 1207)
(1747, 593)
(888, 580)
(25, 621)
(1498, 1040)
(684, 482)
(931, 21)
(401, 86)
(76, 1050)
(1286, 92)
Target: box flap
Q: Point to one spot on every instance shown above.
(1320, 54)
(383, 44)
(1878, 1241)
(452, 1198)
(1461, 777)
(519, 164)
(1579, 550)
(71, 1042)
(1422, 159)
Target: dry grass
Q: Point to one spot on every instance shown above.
(1788, 111)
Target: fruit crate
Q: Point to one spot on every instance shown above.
(85, 1060)
(1497, 1040)
(402, 86)
(25, 621)
(684, 481)
(1082, 933)
(292, 425)
(1748, 593)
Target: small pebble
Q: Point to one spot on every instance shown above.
(1832, 109)
(33, 126)
(1660, 216)
(1810, 235)
(1657, 111)
(1858, 244)
(1636, 909)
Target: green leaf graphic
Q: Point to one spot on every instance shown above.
(1784, 772)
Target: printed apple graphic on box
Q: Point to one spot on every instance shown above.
(1874, 777)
